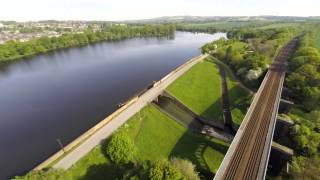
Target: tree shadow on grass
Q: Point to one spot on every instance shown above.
(192, 146)
(177, 111)
(210, 112)
(239, 100)
(214, 111)
(104, 145)
(102, 171)
(105, 170)
(237, 97)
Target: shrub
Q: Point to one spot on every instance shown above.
(164, 170)
(49, 174)
(305, 168)
(121, 149)
(156, 171)
(186, 168)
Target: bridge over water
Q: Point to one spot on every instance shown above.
(247, 157)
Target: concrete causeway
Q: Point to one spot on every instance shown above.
(102, 133)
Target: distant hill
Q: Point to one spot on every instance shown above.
(179, 19)
(188, 19)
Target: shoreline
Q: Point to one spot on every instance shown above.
(26, 57)
(73, 145)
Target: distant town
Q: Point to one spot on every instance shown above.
(24, 31)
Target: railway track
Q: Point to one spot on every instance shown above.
(249, 158)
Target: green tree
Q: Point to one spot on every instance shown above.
(164, 170)
(121, 148)
(307, 140)
(13, 50)
(156, 171)
(186, 168)
(50, 174)
(305, 168)
(305, 83)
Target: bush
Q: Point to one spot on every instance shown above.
(306, 136)
(305, 168)
(156, 172)
(164, 170)
(186, 168)
(49, 174)
(121, 149)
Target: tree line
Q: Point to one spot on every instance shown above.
(304, 82)
(304, 79)
(12, 50)
(249, 53)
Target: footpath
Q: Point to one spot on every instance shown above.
(94, 136)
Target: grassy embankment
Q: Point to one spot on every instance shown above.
(280, 25)
(229, 25)
(218, 25)
(200, 90)
(239, 95)
(156, 136)
(317, 41)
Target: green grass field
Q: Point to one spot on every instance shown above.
(156, 136)
(220, 25)
(279, 25)
(200, 90)
(317, 42)
(217, 25)
(227, 25)
(239, 95)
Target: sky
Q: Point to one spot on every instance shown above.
(25, 10)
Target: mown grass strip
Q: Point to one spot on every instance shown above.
(156, 136)
(200, 90)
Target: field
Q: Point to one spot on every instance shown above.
(200, 90)
(279, 25)
(156, 136)
(239, 98)
(228, 25)
(317, 41)
(239, 95)
(221, 25)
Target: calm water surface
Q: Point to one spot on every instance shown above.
(64, 93)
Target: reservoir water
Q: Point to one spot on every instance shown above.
(62, 94)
